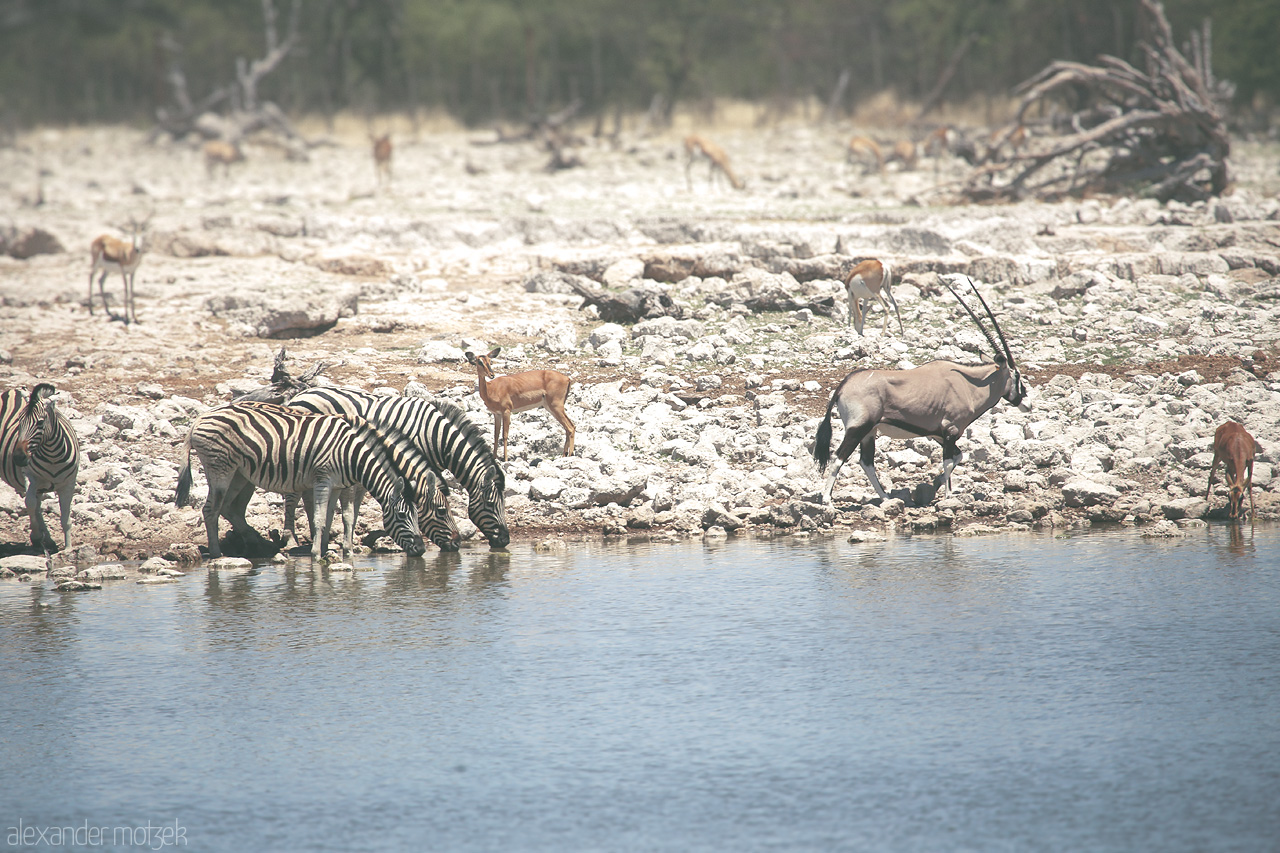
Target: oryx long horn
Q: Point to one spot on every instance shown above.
(1008, 355)
(991, 341)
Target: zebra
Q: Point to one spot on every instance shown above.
(39, 453)
(242, 445)
(443, 432)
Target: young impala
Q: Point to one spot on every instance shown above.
(1235, 449)
(520, 392)
(696, 147)
(869, 280)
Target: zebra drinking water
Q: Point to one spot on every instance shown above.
(445, 436)
(242, 445)
(39, 453)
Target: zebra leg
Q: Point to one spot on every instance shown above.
(39, 532)
(290, 517)
(867, 458)
(323, 518)
(234, 506)
(211, 510)
(64, 506)
(350, 499)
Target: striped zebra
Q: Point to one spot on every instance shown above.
(39, 453)
(243, 445)
(443, 432)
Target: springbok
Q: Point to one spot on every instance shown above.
(520, 392)
(112, 255)
(699, 146)
(1235, 449)
(869, 280)
(938, 400)
(218, 152)
(382, 157)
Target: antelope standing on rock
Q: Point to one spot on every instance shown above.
(937, 400)
(1235, 449)
(869, 280)
(520, 392)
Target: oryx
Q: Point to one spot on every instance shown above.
(939, 399)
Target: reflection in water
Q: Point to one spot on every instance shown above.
(1091, 691)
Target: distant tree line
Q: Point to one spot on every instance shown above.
(490, 60)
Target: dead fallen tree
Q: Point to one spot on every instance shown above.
(1158, 132)
(283, 384)
(242, 112)
(629, 306)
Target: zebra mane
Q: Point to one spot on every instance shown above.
(39, 394)
(396, 445)
(472, 433)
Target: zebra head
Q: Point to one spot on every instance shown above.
(400, 519)
(486, 506)
(37, 418)
(437, 522)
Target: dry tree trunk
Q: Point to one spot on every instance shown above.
(1159, 132)
(246, 114)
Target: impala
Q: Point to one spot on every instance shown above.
(1234, 448)
(382, 156)
(869, 280)
(520, 392)
(696, 147)
(905, 151)
(858, 147)
(218, 152)
(938, 400)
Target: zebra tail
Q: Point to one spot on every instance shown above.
(183, 493)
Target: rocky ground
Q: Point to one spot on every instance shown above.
(1140, 326)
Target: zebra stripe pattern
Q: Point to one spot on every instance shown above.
(243, 445)
(39, 453)
(443, 433)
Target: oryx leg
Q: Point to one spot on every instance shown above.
(867, 458)
(852, 437)
(951, 456)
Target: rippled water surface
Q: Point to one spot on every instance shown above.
(1093, 692)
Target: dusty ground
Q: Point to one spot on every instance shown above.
(442, 253)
